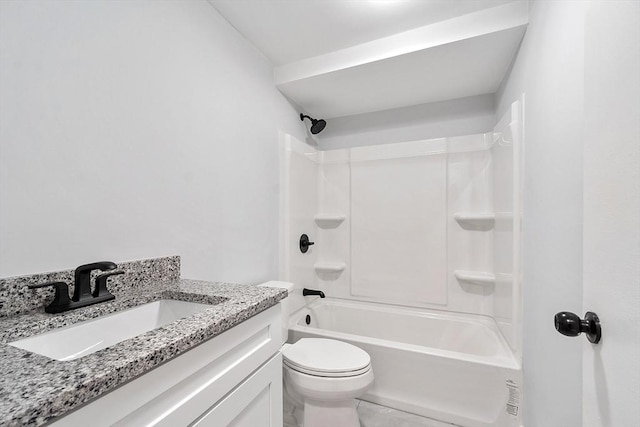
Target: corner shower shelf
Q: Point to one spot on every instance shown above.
(329, 220)
(475, 220)
(329, 267)
(475, 277)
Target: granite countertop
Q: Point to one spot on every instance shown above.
(34, 389)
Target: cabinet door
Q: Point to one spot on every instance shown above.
(256, 402)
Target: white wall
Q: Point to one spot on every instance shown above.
(137, 129)
(549, 69)
(611, 369)
(456, 117)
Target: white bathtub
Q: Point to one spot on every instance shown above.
(454, 368)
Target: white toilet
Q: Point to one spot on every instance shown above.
(322, 377)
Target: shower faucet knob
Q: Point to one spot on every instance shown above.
(305, 243)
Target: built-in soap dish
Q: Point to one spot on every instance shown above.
(476, 277)
(481, 221)
(329, 220)
(329, 267)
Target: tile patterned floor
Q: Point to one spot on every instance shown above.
(372, 415)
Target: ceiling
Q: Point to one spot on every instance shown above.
(470, 67)
(286, 31)
(336, 58)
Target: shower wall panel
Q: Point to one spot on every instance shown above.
(299, 190)
(470, 168)
(399, 223)
(423, 224)
(506, 152)
(332, 234)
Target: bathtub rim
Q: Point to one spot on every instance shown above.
(505, 359)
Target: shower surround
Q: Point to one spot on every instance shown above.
(432, 226)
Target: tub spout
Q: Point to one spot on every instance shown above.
(308, 292)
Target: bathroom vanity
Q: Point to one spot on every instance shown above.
(218, 366)
(233, 379)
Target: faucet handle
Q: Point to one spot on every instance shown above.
(82, 276)
(100, 289)
(102, 265)
(61, 299)
(56, 284)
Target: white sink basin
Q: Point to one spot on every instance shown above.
(78, 340)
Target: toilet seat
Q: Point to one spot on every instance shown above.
(326, 358)
(326, 389)
(327, 374)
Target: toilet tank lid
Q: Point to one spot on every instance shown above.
(278, 284)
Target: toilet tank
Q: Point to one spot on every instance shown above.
(292, 303)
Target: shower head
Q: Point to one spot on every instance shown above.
(316, 125)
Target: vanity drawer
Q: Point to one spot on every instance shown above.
(257, 402)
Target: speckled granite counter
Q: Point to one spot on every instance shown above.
(34, 389)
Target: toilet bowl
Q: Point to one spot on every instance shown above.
(322, 377)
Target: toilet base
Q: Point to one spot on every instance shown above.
(324, 400)
(341, 413)
(305, 412)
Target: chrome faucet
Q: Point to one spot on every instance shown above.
(82, 295)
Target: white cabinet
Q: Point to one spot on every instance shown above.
(233, 379)
(256, 402)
